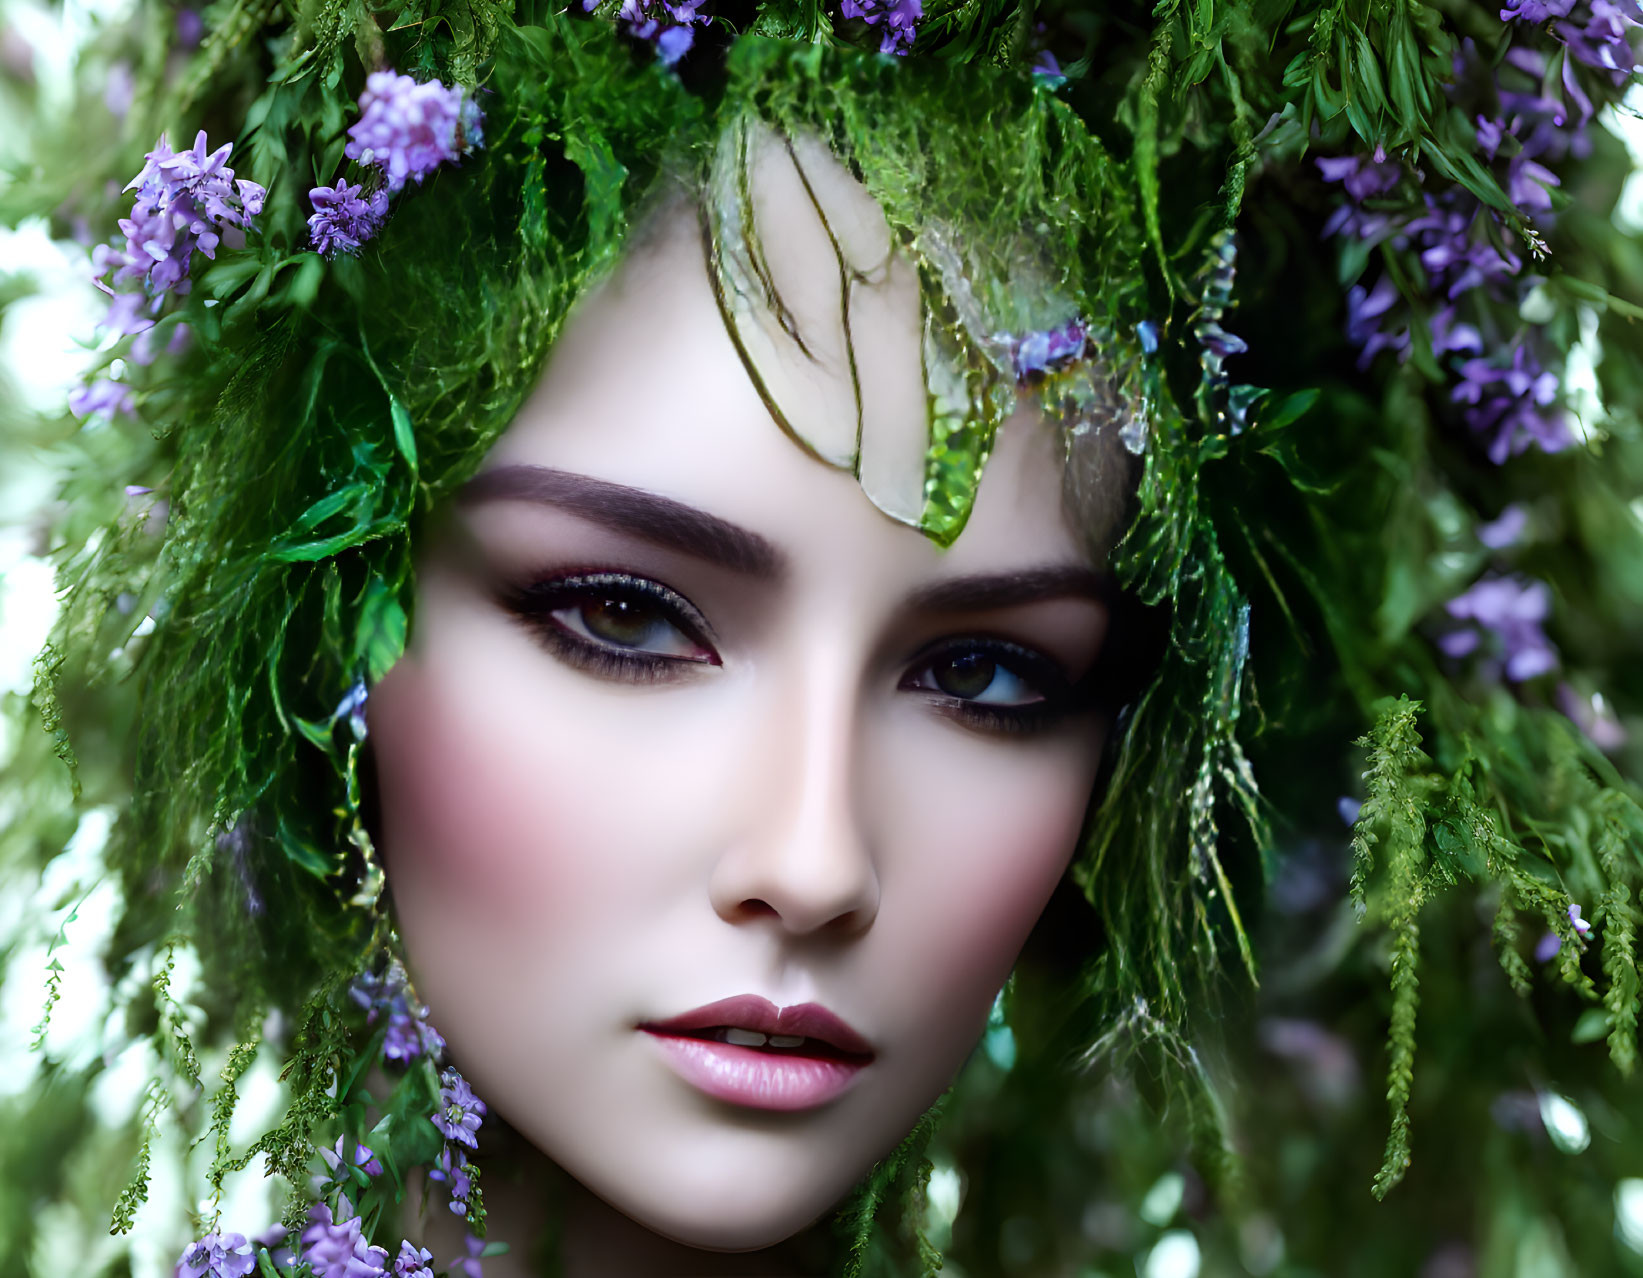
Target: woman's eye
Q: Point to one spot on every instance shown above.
(994, 686)
(614, 625)
(632, 624)
(980, 677)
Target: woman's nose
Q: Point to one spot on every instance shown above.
(803, 856)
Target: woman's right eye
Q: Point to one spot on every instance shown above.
(615, 625)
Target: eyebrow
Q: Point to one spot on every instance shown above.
(646, 515)
(984, 592)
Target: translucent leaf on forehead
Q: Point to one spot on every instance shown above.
(779, 204)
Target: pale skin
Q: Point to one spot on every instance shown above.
(686, 717)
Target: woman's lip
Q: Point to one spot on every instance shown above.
(754, 1078)
(749, 1011)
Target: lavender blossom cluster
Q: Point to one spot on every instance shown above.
(666, 24)
(1510, 388)
(898, 16)
(406, 129)
(333, 1244)
(187, 202)
(408, 1035)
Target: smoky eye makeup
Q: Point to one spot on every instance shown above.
(614, 625)
(994, 685)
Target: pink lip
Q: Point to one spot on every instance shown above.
(752, 1076)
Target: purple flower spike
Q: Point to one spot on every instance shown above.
(186, 201)
(1581, 926)
(409, 129)
(453, 1172)
(217, 1256)
(1547, 947)
(336, 1248)
(460, 1110)
(413, 1262)
(342, 219)
(1511, 610)
(1515, 406)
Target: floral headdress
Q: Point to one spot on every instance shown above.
(1353, 509)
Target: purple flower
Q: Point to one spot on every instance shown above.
(1527, 183)
(1536, 10)
(1456, 261)
(1593, 716)
(337, 1248)
(339, 1163)
(103, 396)
(186, 201)
(409, 129)
(460, 1110)
(469, 1264)
(1515, 406)
(898, 16)
(673, 39)
(352, 708)
(413, 1262)
(454, 1172)
(1450, 336)
(1510, 609)
(1551, 943)
(1046, 67)
(1348, 807)
(1602, 43)
(217, 1256)
(408, 1035)
(1363, 176)
(1040, 351)
(673, 43)
(1504, 530)
(1365, 309)
(342, 219)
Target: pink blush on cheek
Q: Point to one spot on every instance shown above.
(477, 821)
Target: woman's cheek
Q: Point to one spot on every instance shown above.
(978, 861)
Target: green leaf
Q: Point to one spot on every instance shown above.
(317, 733)
(1592, 1025)
(404, 435)
(380, 638)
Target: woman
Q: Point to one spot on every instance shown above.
(661, 773)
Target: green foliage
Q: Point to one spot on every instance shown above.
(1299, 533)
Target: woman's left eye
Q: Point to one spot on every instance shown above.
(979, 676)
(992, 684)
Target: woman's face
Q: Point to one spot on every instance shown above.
(716, 805)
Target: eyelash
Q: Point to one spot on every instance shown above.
(534, 605)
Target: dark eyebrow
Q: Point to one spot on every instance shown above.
(649, 516)
(1012, 589)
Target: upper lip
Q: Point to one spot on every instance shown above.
(749, 1011)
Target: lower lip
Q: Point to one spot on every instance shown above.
(756, 1080)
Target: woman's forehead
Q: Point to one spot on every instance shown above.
(647, 388)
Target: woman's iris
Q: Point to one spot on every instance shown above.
(966, 675)
(627, 623)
